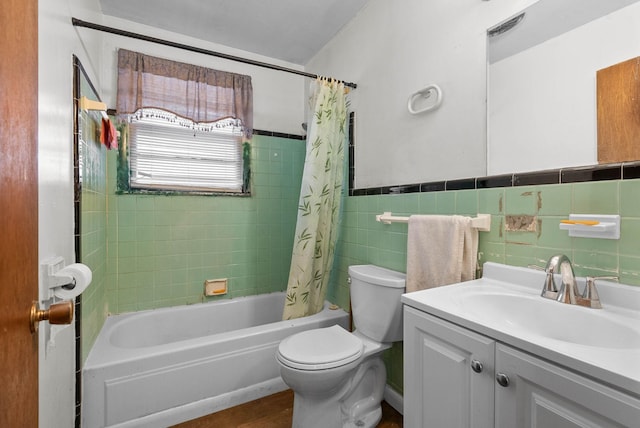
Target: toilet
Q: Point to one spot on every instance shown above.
(338, 377)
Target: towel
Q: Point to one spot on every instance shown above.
(109, 135)
(441, 250)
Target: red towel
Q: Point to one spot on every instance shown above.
(109, 135)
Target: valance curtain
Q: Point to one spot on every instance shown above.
(196, 93)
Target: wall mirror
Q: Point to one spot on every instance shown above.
(541, 80)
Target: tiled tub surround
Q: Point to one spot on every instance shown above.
(158, 250)
(162, 248)
(363, 240)
(91, 229)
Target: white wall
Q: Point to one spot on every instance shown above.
(542, 101)
(393, 49)
(278, 97)
(58, 41)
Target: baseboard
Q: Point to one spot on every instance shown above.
(394, 399)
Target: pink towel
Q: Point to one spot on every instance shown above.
(441, 250)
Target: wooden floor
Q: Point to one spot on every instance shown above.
(274, 411)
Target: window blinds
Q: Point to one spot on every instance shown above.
(170, 156)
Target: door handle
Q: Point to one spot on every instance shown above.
(58, 313)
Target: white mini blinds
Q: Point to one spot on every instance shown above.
(171, 153)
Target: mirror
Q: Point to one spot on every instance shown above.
(541, 84)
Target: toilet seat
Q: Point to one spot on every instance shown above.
(320, 349)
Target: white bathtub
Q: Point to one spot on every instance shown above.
(162, 367)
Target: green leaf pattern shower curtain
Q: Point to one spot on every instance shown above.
(320, 198)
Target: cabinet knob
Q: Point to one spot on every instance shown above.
(502, 379)
(476, 366)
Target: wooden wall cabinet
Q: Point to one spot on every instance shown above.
(618, 100)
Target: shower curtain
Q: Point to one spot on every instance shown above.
(320, 198)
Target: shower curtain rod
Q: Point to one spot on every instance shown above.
(79, 23)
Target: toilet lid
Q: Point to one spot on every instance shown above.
(319, 349)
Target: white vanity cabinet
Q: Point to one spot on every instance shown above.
(539, 394)
(455, 377)
(440, 387)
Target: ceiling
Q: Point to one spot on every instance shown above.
(289, 30)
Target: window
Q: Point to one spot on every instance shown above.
(187, 127)
(170, 153)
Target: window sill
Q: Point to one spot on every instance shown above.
(180, 193)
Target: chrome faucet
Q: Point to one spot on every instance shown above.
(568, 292)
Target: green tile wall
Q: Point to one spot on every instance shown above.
(363, 240)
(162, 248)
(93, 226)
(156, 251)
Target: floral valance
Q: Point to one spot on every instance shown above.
(196, 93)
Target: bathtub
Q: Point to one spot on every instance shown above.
(162, 367)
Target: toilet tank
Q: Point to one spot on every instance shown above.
(375, 302)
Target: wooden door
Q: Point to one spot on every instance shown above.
(18, 212)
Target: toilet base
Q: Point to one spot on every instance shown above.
(353, 404)
(369, 420)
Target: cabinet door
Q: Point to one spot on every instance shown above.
(441, 389)
(542, 395)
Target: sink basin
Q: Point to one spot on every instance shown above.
(552, 320)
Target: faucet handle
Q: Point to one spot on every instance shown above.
(590, 292)
(605, 278)
(550, 291)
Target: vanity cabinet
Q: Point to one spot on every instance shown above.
(455, 377)
(539, 394)
(441, 389)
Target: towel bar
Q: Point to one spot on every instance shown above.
(85, 103)
(482, 222)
